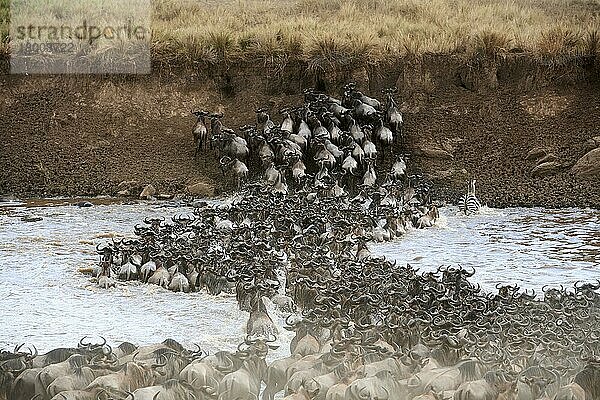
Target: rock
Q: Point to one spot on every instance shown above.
(164, 196)
(148, 192)
(546, 168)
(124, 193)
(83, 204)
(127, 185)
(436, 153)
(31, 218)
(201, 189)
(535, 153)
(588, 165)
(592, 143)
(548, 158)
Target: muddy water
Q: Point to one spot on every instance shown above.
(530, 247)
(44, 300)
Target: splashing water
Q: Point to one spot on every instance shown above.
(46, 302)
(531, 247)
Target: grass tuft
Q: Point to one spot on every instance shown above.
(491, 44)
(592, 43)
(222, 42)
(329, 33)
(327, 53)
(560, 42)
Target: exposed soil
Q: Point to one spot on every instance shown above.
(82, 136)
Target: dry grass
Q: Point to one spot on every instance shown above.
(338, 32)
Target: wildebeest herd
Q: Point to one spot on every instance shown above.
(365, 328)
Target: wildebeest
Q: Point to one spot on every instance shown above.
(571, 391)
(200, 132)
(493, 384)
(129, 377)
(48, 374)
(172, 389)
(589, 380)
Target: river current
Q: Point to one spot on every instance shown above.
(46, 302)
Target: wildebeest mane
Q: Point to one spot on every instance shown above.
(471, 370)
(173, 344)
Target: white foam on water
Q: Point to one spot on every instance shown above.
(531, 247)
(46, 302)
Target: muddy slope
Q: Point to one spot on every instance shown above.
(66, 136)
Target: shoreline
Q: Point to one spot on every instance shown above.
(515, 124)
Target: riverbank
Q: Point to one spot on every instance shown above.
(518, 124)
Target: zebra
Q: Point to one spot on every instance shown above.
(468, 203)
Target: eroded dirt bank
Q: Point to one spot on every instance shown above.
(68, 136)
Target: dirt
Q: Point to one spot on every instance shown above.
(84, 135)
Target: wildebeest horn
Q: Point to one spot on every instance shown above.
(227, 368)
(469, 274)
(199, 349)
(271, 340)
(101, 250)
(249, 341)
(159, 365)
(544, 288)
(35, 351)
(81, 344)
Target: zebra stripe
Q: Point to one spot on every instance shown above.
(469, 204)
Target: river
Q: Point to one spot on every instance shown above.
(46, 302)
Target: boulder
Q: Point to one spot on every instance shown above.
(148, 192)
(535, 153)
(127, 185)
(201, 189)
(592, 143)
(84, 204)
(434, 152)
(547, 158)
(31, 218)
(546, 168)
(588, 165)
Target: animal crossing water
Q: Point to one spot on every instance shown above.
(46, 302)
(531, 247)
